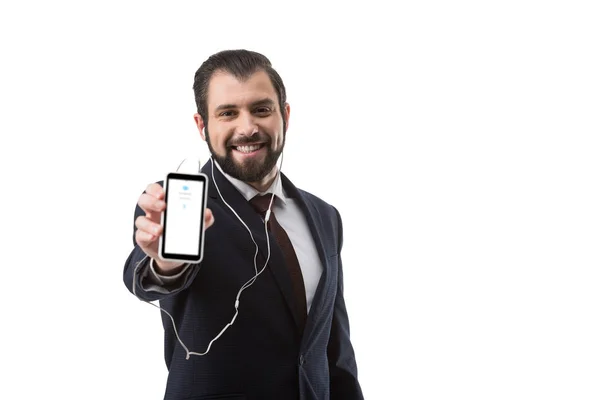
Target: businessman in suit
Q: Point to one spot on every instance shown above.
(290, 339)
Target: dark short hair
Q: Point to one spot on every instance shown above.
(241, 64)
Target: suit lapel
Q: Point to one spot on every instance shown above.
(237, 201)
(312, 217)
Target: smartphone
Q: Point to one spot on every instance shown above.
(182, 238)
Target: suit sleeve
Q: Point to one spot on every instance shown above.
(142, 281)
(342, 363)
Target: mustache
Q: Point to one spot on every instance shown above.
(243, 140)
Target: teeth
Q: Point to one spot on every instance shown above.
(248, 149)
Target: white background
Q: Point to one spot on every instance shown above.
(459, 140)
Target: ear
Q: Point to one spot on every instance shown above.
(286, 116)
(200, 125)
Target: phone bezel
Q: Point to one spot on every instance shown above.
(194, 258)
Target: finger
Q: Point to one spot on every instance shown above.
(148, 226)
(151, 204)
(144, 239)
(209, 218)
(155, 190)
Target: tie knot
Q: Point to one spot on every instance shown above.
(261, 203)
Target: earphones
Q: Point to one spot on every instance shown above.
(245, 286)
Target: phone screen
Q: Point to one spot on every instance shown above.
(183, 219)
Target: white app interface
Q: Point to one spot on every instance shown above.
(184, 216)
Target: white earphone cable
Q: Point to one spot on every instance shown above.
(246, 285)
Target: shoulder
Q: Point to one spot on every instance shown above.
(311, 200)
(323, 209)
(316, 201)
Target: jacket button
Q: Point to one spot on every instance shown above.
(301, 359)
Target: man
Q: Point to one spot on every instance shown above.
(291, 337)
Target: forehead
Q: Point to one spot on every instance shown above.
(225, 88)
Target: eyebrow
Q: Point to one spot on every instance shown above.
(262, 102)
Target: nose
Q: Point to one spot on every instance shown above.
(247, 125)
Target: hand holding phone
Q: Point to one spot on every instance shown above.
(182, 220)
(149, 228)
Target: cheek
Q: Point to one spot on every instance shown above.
(276, 131)
(218, 138)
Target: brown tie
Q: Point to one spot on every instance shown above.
(261, 205)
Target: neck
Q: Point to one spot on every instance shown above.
(266, 182)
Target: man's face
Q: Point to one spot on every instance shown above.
(245, 130)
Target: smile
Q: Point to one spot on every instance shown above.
(248, 149)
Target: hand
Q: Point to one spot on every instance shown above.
(149, 228)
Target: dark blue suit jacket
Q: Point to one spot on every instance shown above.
(262, 355)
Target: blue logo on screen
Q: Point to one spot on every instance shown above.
(185, 187)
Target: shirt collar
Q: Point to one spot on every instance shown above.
(249, 192)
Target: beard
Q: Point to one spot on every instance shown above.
(251, 170)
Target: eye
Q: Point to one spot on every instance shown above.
(226, 114)
(263, 110)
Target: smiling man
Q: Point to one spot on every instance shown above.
(247, 126)
(291, 338)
